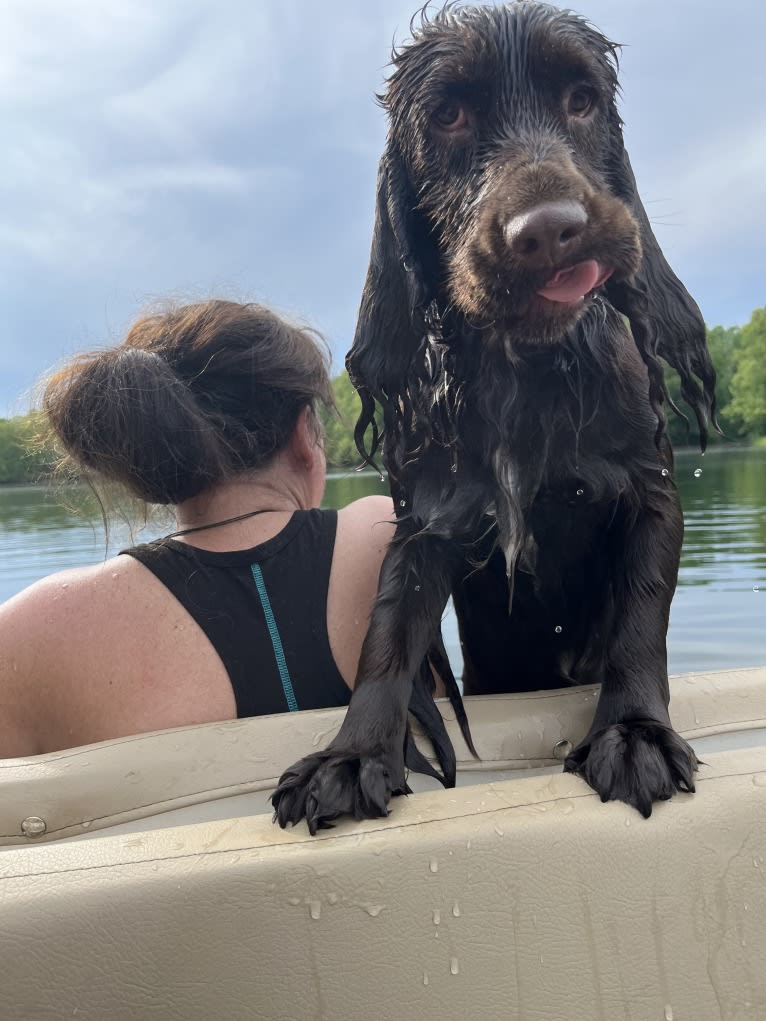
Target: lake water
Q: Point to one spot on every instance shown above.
(718, 618)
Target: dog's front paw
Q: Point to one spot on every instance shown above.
(639, 762)
(332, 783)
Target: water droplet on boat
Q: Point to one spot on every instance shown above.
(500, 831)
(433, 865)
(558, 629)
(453, 468)
(456, 910)
(437, 916)
(664, 473)
(468, 845)
(454, 966)
(315, 909)
(425, 978)
(698, 473)
(627, 822)
(373, 910)
(756, 863)
(417, 588)
(294, 901)
(756, 588)
(561, 749)
(668, 1013)
(580, 492)
(332, 898)
(381, 478)
(402, 503)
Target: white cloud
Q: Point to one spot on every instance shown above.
(184, 145)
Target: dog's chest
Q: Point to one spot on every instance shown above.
(544, 442)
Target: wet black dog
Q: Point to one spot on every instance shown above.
(515, 311)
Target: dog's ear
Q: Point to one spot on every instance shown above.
(396, 295)
(659, 306)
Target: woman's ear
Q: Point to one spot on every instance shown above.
(306, 445)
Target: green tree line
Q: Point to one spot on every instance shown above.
(739, 357)
(738, 353)
(23, 458)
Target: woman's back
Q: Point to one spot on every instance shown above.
(109, 650)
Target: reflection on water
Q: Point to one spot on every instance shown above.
(718, 617)
(725, 519)
(719, 612)
(43, 530)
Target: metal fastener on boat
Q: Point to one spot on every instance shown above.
(562, 749)
(33, 826)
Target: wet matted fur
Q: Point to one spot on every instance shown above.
(523, 424)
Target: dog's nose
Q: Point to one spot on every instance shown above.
(545, 235)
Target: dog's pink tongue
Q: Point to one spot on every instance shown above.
(571, 285)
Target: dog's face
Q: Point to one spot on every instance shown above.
(506, 121)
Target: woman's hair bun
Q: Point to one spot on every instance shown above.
(125, 416)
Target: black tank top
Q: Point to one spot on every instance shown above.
(264, 610)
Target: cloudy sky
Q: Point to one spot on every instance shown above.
(199, 147)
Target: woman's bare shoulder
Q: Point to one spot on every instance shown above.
(369, 520)
(47, 633)
(64, 596)
(365, 529)
(46, 625)
(97, 652)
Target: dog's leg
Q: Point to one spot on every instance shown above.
(364, 765)
(632, 753)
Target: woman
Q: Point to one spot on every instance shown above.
(258, 603)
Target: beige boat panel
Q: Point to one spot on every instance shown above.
(526, 899)
(84, 789)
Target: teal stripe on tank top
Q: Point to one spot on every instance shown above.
(276, 641)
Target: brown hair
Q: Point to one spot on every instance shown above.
(194, 395)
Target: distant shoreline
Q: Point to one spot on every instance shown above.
(721, 447)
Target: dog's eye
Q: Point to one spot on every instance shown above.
(580, 101)
(451, 116)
